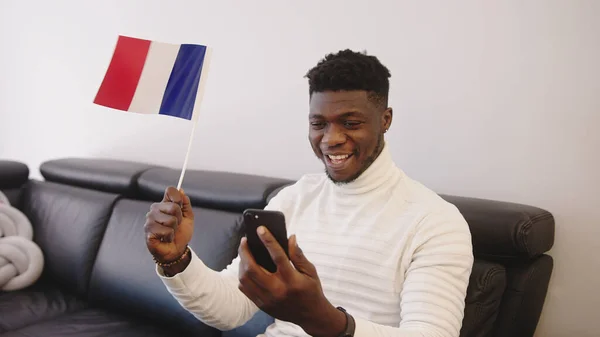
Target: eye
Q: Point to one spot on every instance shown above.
(351, 124)
(317, 125)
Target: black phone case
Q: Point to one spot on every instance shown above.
(274, 221)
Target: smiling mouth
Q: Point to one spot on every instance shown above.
(337, 161)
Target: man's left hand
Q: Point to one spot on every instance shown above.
(293, 293)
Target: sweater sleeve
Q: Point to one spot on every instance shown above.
(213, 297)
(436, 280)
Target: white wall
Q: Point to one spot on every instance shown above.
(494, 99)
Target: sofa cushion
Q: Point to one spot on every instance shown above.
(217, 190)
(94, 323)
(68, 224)
(108, 175)
(504, 231)
(484, 295)
(124, 276)
(42, 301)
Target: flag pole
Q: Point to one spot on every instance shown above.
(187, 154)
(199, 97)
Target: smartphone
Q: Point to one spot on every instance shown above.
(274, 221)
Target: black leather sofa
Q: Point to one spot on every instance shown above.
(99, 280)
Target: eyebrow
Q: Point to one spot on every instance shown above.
(355, 113)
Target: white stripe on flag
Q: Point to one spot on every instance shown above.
(155, 76)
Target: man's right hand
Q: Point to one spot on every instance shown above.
(169, 226)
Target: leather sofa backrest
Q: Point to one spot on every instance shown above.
(108, 175)
(217, 190)
(124, 277)
(68, 225)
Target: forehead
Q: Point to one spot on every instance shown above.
(331, 104)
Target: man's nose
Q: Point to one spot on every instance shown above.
(333, 137)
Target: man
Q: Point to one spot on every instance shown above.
(381, 254)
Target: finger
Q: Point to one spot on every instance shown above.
(168, 208)
(172, 195)
(186, 206)
(256, 282)
(266, 286)
(249, 268)
(163, 219)
(157, 233)
(264, 281)
(276, 251)
(247, 277)
(299, 260)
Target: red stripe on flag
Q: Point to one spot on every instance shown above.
(123, 74)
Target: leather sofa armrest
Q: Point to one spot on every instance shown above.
(12, 174)
(503, 231)
(484, 296)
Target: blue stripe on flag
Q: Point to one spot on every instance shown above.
(180, 94)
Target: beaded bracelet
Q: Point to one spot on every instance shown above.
(168, 264)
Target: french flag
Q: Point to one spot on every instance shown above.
(152, 77)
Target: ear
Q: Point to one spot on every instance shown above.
(386, 119)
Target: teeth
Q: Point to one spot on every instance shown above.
(339, 157)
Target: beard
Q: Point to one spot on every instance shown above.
(363, 166)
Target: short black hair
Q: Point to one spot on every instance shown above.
(348, 70)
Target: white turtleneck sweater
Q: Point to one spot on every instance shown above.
(390, 251)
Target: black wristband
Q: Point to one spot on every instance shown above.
(350, 324)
